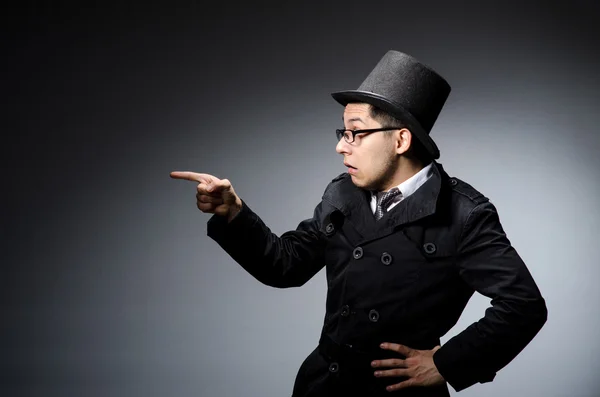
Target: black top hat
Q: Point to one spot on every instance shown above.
(408, 90)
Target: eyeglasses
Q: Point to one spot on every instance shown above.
(350, 135)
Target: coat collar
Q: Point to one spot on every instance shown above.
(354, 203)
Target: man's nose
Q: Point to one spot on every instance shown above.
(342, 146)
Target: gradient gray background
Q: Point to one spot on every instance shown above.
(109, 284)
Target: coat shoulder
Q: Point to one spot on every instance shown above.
(466, 192)
(340, 177)
(338, 180)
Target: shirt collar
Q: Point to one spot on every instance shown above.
(410, 185)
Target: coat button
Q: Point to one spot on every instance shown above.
(386, 259)
(345, 311)
(329, 229)
(452, 182)
(429, 248)
(333, 367)
(374, 315)
(357, 253)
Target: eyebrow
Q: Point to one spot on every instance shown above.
(354, 119)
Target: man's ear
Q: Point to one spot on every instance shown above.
(403, 141)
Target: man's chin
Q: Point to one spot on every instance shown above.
(358, 182)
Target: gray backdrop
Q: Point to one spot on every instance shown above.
(109, 285)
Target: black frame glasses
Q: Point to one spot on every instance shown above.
(341, 132)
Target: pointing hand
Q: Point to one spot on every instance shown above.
(214, 195)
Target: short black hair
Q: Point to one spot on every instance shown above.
(416, 150)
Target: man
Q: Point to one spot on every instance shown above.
(404, 245)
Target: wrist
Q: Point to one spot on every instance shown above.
(234, 209)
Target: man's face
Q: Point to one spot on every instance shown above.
(372, 156)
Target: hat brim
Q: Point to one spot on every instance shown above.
(345, 97)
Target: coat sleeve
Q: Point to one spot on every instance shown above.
(491, 266)
(286, 261)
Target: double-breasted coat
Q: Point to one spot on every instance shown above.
(405, 278)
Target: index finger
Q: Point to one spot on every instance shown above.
(191, 176)
(404, 350)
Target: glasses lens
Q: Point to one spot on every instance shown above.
(346, 134)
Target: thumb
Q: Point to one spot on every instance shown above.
(438, 347)
(218, 185)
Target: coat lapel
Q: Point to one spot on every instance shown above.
(354, 203)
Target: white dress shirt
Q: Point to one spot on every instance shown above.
(407, 187)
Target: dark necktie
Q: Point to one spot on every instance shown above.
(384, 200)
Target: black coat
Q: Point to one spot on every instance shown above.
(405, 279)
